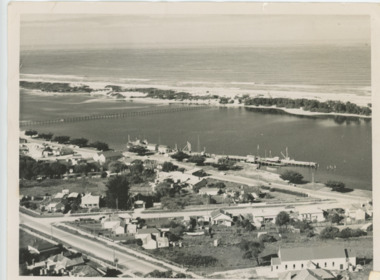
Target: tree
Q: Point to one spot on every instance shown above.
(282, 219)
(303, 226)
(100, 146)
(61, 139)
(336, 186)
(31, 132)
(292, 176)
(247, 197)
(116, 166)
(266, 238)
(180, 156)
(198, 160)
(167, 166)
(118, 189)
(246, 224)
(173, 203)
(46, 136)
(137, 167)
(220, 185)
(252, 249)
(329, 233)
(334, 218)
(58, 168)
(163, 189)
(160, 274)
(140, 150)
(81, 142)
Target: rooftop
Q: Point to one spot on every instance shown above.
(110, 154)
(148, 230)
(313, 274)
(312, 253)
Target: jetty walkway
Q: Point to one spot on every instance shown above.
(126, 114)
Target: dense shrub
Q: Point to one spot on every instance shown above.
(292, 176)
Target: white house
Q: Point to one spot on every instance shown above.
(266, 215)
(312, 214)
(132, 228)
(55, 207)
(144, 232)
(162, 149)
(220, 217)
(90, 201)
(116, 223)
(126, 216)
(356, 212)
(107, 156)
(73, 195)
(59, 195)
(209, 191)
(152, 147)
(326, 257)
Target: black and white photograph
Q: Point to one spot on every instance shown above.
(194, 145)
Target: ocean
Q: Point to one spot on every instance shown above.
(330, 67)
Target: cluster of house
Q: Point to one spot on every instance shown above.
(123, 225)
(56, 203)
(189, 178)
(53, 260)
(43, 150)
(291, 261)
(358, 212)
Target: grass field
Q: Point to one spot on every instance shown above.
(27, 239)
(53, 186)
(230, 257)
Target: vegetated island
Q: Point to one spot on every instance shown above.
(300, 106)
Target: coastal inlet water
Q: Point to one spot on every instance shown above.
(345, 144)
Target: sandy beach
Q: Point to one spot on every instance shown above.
(360, 96)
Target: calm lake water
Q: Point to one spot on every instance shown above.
(345, 144)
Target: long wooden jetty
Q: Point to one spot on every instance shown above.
(125, 114)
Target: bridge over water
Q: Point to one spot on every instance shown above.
(126, 114)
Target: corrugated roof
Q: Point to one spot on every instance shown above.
(306, 275)
(313, 274)
(312, 253)
(147, 230)
(275, 261)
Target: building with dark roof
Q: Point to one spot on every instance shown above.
(326, 257)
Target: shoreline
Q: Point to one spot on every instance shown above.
(359, 95)
(98, 96)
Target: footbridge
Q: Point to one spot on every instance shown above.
(126, 114)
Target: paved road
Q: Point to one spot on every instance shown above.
(83, 244)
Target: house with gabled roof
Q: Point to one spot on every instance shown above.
(102, 157)
(326, 257)
(220, 217)
(144, 232)
(90, 201)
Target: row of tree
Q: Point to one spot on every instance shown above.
(54, 87)
(62, 139)
(31, 169)
(334, 232)
(310, 105)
